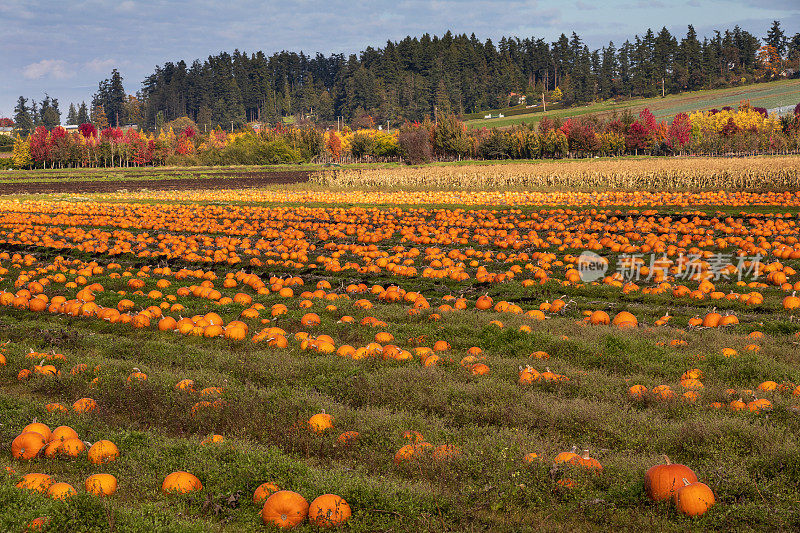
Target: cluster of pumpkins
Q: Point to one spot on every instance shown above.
(36, 439)
(418, 448)
(282, 508)
(679, 483)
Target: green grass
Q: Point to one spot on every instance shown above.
(767, 95)
(751, 461)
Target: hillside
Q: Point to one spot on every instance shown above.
(768, 95)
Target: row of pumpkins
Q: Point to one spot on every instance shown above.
(287, 509)
(283, 508)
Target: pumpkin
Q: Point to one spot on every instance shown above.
(63, 433)
(586, 462)
(693, 498)
(101, 484)
(599, 318)
(320, 422)
(212, 439)
(565, 457)
(84, 405)
(264, 491)
(484, 302)
(661, 482)
(348, 438)
(637, 391)
(103, 451)
(35, 481)
(624, 319)
(445, 452)
(791, 302)
(328, 510)
(37, 524)
(52, 449)
(285, 509)
(27, 445)
(61, 491)
(180, 483)
(38, 427)
(72, 447)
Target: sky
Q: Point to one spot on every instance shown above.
(65, 48)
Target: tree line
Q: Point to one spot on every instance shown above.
(429, 76)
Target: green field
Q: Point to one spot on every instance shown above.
(767, 95)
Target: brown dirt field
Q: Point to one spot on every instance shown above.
(242, 180)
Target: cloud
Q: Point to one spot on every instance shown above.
(53, 68)
(127, 6)
(101, 65)
(583, 6)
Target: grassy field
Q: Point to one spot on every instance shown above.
(767, 95)
(159, 254)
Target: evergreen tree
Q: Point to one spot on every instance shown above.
(35, 115)
(72, 116)
(776, 38)
(111, 97)
(689, 67)
(49, 113)
(23, 123)
(83, 114)
(607, 79)
(793, 48)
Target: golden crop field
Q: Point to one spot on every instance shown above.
(678, 174)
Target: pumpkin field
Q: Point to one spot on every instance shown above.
(583, 346)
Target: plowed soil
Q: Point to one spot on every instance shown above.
(240, 180)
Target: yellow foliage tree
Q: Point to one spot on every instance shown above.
(22, 153)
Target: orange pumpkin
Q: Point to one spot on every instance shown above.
(661, 482)
(180, 483)
(328, 510)
(285, 509)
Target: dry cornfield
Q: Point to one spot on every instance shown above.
(751, 173)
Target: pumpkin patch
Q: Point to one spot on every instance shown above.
(404, 358)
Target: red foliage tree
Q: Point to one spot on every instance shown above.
(40, 145)
(680, 131)
(87, 130)
(649, 121)
(6, 122)
(636, 138)
(730, 128)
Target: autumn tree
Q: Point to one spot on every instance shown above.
(22, 153)
(334, 145)
(769, 62)
(99, 118)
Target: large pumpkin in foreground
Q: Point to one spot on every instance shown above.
(661, 482)
(694, 499)
(285, 509)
